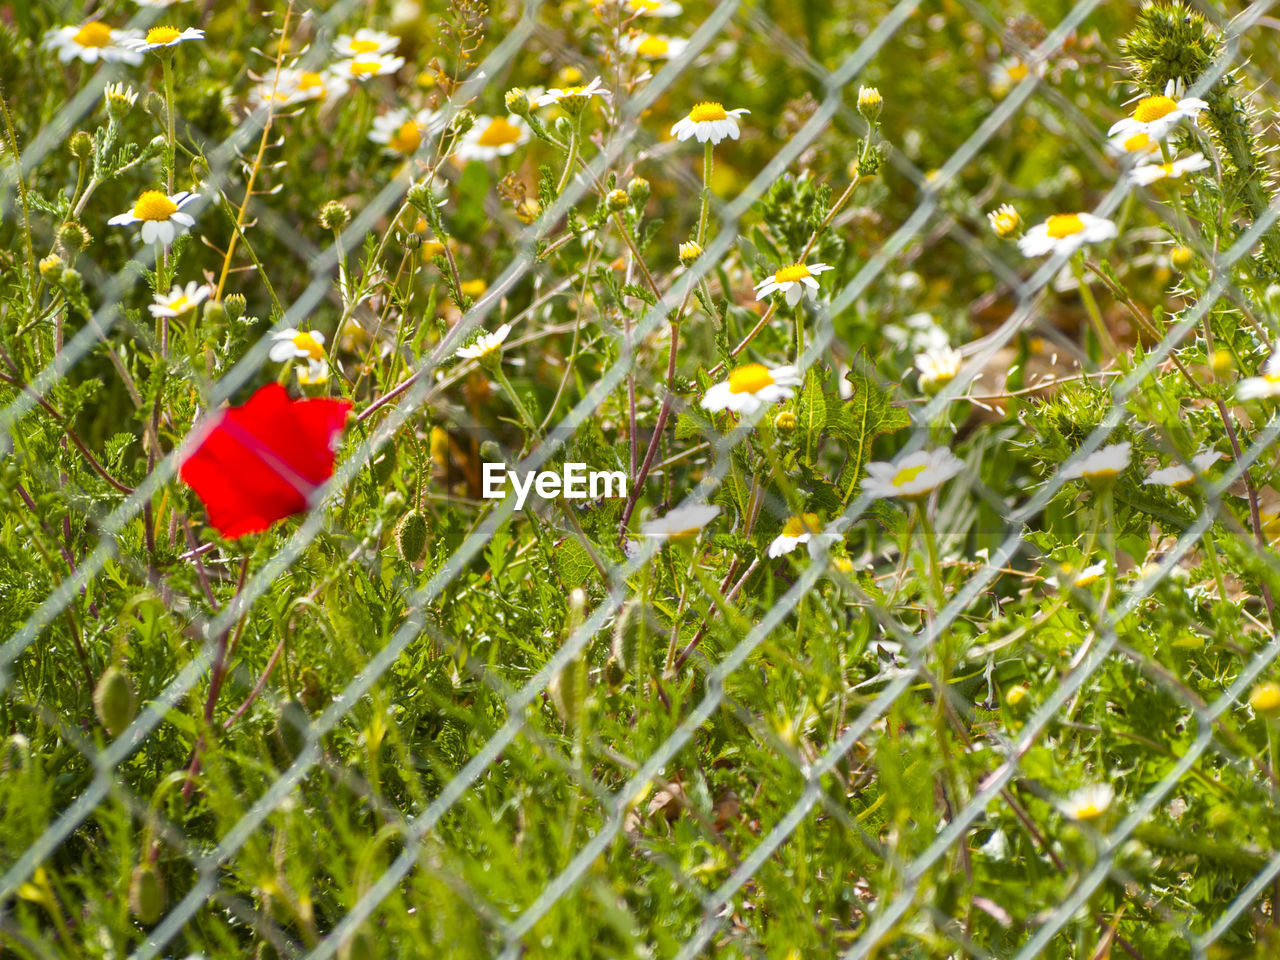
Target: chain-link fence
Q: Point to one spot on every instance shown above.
(914, 807)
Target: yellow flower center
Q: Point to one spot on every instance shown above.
(310, 345)
(653, 47)
(750, 378)
(1139, 141)
(472, 288)
(364, 46)
(1265, 698)
(499, 133)
(180, 305)
(1017, 72)
(93, 35)
(154, 205)
(1088, 811)
(1102, 473)
(907, 474)
(644, 6)
(365, 68)
(311, 81)
(407, 139)
(1166, 169)
(162, 35)
(707, 112)
(1153, 108)
(792, 274)
(798, 526)
(1085, 580)
(1064, 225)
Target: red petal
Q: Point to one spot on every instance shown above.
(263, 461)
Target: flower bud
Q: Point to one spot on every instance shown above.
(870, 103)
(517, 102)
(419, 194)
(638, 192)
(71, 279)
(154, 105)
(215, 312)
(114, 701)
(147, 898)
(689, 252)
(51, 267)
(73, 237)
(463, 121)
(616, 201)
(411, 536)
(1265, 699)
(234, 305)
(334, 215)
(528, 210)
(1181, 257)
(1004, 221)
(785, 422)
(490, 452)
(81, 145)
(1222, 362)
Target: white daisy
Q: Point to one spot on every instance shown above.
(1149, 173)
(180, 300)
(1079, 578)
(1007, 74)
(91, 42)
(1065, 233)
(652, 46)
(365, 43)
(708, 121)
(914, 475)
(1135, 145)
(313, 372)
(1103, 464)
(1180, 475)
(294, 86)
(484, 346)
(1267, 385)
(794, 281)
(400, 131)
(751, 387)
(160, 37)
(798, 530)
(493, 137)
(681, 523)
(1088, 803)
(937, 367)
(161, 216)
(647, 8)
(593, 89)
(1156, 116)
(293, 344)
(367, 66)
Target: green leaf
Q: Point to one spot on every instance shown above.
(863, 417)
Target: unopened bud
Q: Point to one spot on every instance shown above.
(1221, 362)
(638, 192)
(51, 267)
(334, 215)
(617, 201)
(869, 103)
(411, 536)
(1265, 699)
(517, 101)
(463, 121)
(1181, 257)
(215, 312)
(785, 422)
(689, 252)
(81, 145)
(234, 305)
(73, 237)
(147, 898)
(114, 701)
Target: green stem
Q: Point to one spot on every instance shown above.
(571, 159)
(708, 164)
(525, 417)
(171, 143)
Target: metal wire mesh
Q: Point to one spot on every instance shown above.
(909, 889)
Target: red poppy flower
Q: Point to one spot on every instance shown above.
(265, 460)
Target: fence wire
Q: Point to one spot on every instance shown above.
(513, 928)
